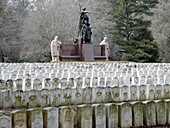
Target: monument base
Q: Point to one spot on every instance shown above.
(87, 52)
(82, 52)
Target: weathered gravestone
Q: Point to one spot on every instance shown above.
(77, 95)
(102, 82)
(100, 116)
(158, 92)
(155, 80)
(9, 85)
(166, 91)
(108, 96)
(19, 119)
(87, 82)
(71, 82)
(151, 92)
(32, 99)
(150, 114)
(3, 85)
(112, 115)
(85, 113)
(37, 85)
(124, 93)
(79, 82)
(63, 83)
(116, 94)
(168, 111)
(47, 83)
(125, 118)
(44, 98)
(17, 98)
(27, 84)
(98, 94)
(67, 116)
(138, 109)
(149, 80)
(142, 92)
(136, 80)
(109, 82)
(167, 79)
(87, 95)
(25, 100)
(38, 97)
(115, 81)
(7, 99)
(51, 117)
(160, 112)
(35, 118)
(121, 81)
(94, 82)
(5, 119)
(66, 96)
(55, 97)
(133, 93)
(18, 84)
(161, 80)
(127, 81)
(142, 80)
(55, 83)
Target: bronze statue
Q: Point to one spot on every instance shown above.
(86, 33)
(84, 27)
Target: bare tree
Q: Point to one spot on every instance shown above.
(55, 17)
(11, 20)
(161, 28)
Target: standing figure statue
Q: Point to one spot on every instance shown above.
(107, 50)
(55, 49)
(86, 32)
(83, 18)
(84, 27)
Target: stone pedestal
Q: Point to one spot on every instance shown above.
(87, 52)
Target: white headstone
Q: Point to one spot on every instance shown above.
(5, 119)
(51, 117)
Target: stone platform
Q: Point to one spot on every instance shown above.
(82, 52)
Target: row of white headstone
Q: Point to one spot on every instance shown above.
(53, 72)
(27, 68)
(132, 114)
(112, 73)
(47, 83)
(71, 73)
(72, 96)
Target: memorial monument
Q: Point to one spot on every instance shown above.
(82, 49)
